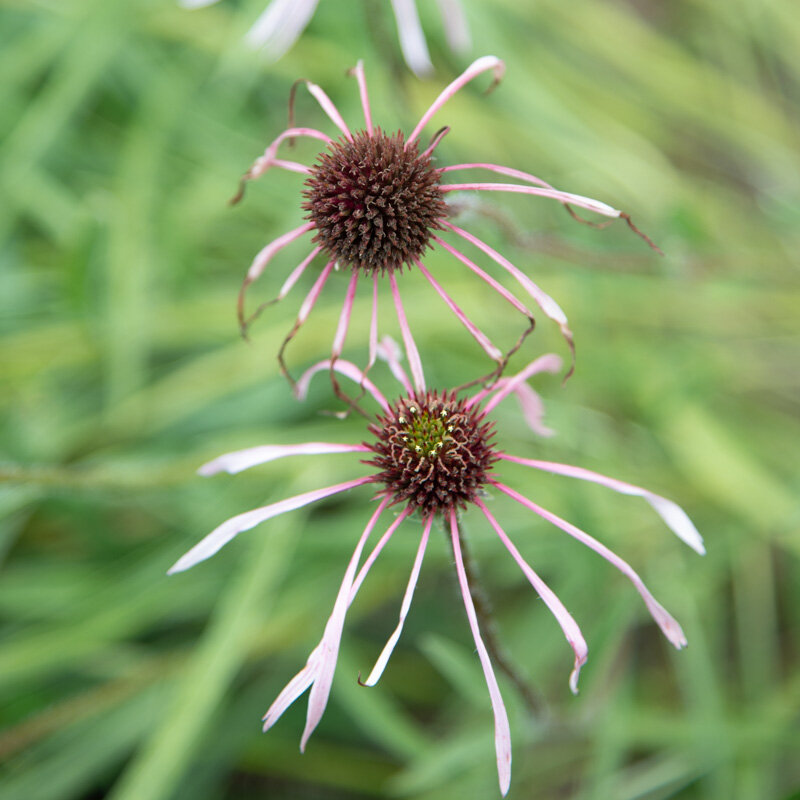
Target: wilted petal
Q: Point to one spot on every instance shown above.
(221, 535)
(675, 517)
(244, 459)
(546, 363)
(414, 361)
(502, 732)
(390, 352)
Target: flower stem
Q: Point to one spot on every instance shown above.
(488, 625)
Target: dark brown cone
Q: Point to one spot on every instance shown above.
(433, 452)
(373, 203)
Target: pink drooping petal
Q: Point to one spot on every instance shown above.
(309, 673)
(346, 368)
(292, 690)
(477, 67)
(390, 352)
(280, 25)
(313, 295)
(543, 300)
(412, 39)
(532, 409)
(456, 30)
(546, 363)
(571, 630)
(221, 535)
(244, 459)
(498, 287)
(554, 194)
(268, 159)
(386, 653)
(329, 646)
(502, 732)
(296, 273)
(673, 515)
(358, 71)
(266, 254)
(414, 361)
(344, 317)
(669, 626)
(480, 337)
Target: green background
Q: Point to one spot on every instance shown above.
(124, 125)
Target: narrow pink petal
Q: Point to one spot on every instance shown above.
(479, 336)
(280, 25)
(554, 194)
(328, 107)
(244, 459)
(669, 626)
(456, 30)
(266, 254)
(571, 630)
(477, 67)
(502, 733)
(329, 646)
(292, 690)
(358, 71)
(412, 39)
(532, 409)
(221, 535)
(297, 272)
(390, 352)
(291, 166)
(547, 363)
(268, 159)
(373, 325)
(675, 517)
(312, 297)
(545, 302)
(509, 171)
(309, 673)
(344, 317)
(376, 551)
(386, 653)
(345, 368)
(498, 287)
(414, 361)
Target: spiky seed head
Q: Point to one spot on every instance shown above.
(373, 202)
(434, 453)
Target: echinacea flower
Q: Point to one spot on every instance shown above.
(375, 203)
(432, 453)
(283, 21)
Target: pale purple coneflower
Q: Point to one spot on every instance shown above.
(283, 21)
(433, 453)
(376, 203)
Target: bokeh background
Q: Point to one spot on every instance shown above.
(124, 125)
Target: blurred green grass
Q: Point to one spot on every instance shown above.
(123, 129)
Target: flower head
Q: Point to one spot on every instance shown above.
(375, 203)
(432, 453)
